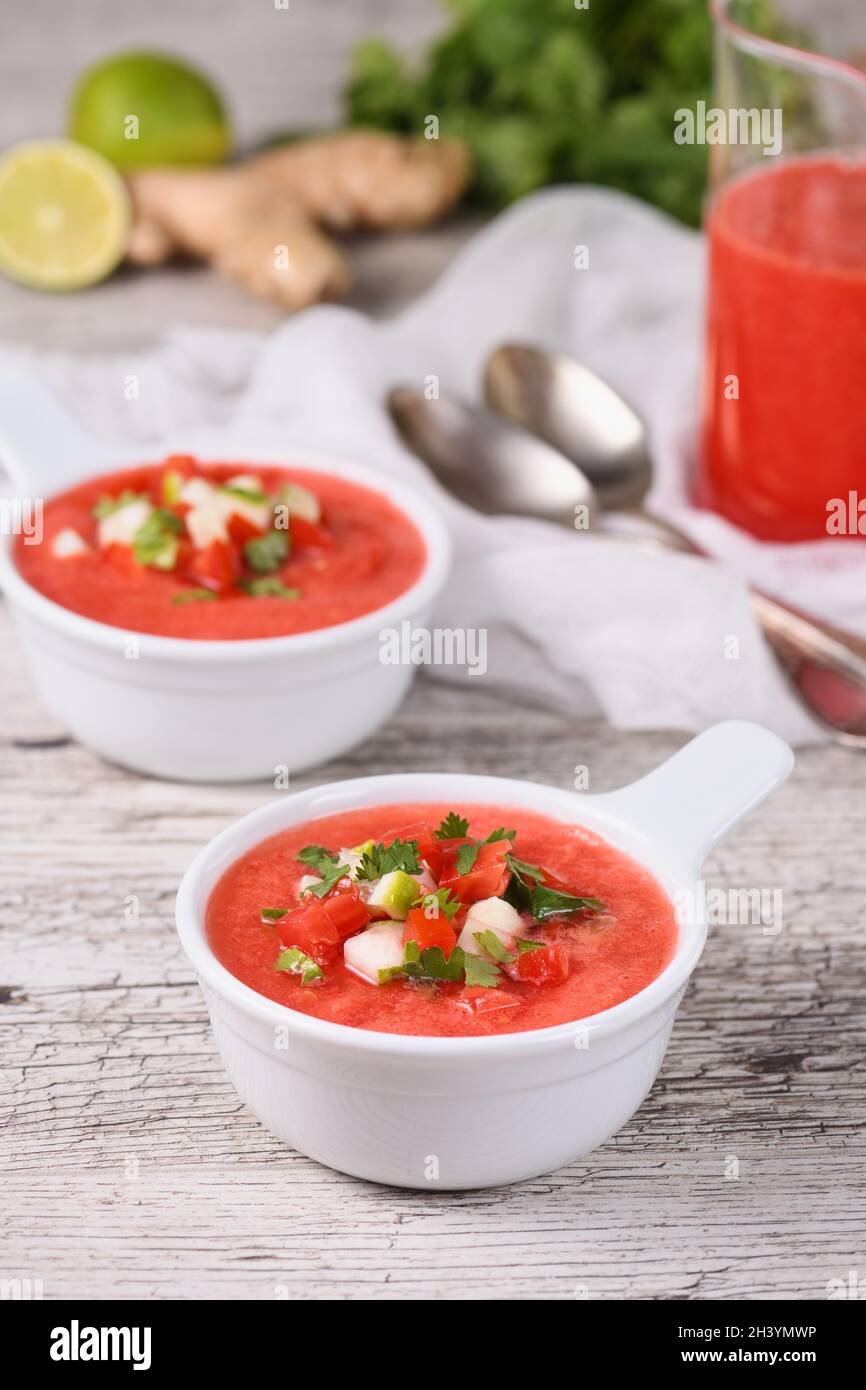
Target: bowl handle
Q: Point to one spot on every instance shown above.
(41, 447)
(705, 789)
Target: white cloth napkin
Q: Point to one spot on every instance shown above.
(581, 622)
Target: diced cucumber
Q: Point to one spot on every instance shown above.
(379, 948)
(493, 915)
(206, 521)
(299, 501)
(68, 543)
(394, 893)
(120, 526)
(352, 857)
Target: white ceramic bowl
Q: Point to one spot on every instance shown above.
(475, 1112)
(202, 711)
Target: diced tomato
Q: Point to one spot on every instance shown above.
(486, 1001)
(307, 535)
(310, 929)
(180, 463)
(216, 567)
(548, 965)
(487, 878)
(430, 931)
(122, 558)
(241, 529)
(346, 912)
(420, 831)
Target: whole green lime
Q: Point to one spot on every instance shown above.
(144, 109)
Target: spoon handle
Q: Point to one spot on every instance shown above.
(825, 666)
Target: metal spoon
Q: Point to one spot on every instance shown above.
(499, 469)
(576, 412)
(490, 465)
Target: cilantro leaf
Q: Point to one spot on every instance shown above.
(500, 834)
(384, 859)
(490, 942)
(107, 506)
(442, 901)
(268, 587)
(466, 857)
(479, 971)
(326, 863)
(155, 543)
(523, 878)
(273, 914)
(297, 963)
(264, 554)
(548, 902)
(453, 827)
(430, 964)
(247, 494)
(524, 945)
(195, 596)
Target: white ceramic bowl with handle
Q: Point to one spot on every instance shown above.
(201, 710)
(475, 1112)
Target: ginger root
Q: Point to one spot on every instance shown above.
(261, 222)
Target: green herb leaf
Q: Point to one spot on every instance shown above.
(326, 863)
(524, 945)
(268, 587)
(247, 494)
(443, 901)
(195, 596)
(547, 902)
(297, 963)
(273, 914)
(453, 827)
(266, 553)
(107, 506)
(384, 859)
(500, 834)
(524, 878)
(490, 942)
(479, 971)
(466, 857)
(431, 964)
(155, 543)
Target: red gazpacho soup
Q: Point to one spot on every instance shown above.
(222, 551)
(441, 921)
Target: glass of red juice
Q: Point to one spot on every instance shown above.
(783, 438)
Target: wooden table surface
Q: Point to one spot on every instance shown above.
(130, 1168)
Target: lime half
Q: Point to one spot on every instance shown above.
(65, 215)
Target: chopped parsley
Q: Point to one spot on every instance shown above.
(453, 827)
(467, 854)
(548, 902)
(325, 863)
(246, 494)
(264, 554)
(155, 543)
(490, 942)
(385, 859)
(442, 901)
(273, 914)
(195, 596)
(107, 506)
(268, 587)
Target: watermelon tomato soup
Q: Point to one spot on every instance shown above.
(441, 920)
(222, 551)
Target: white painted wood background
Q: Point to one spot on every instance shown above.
(128, 1167)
